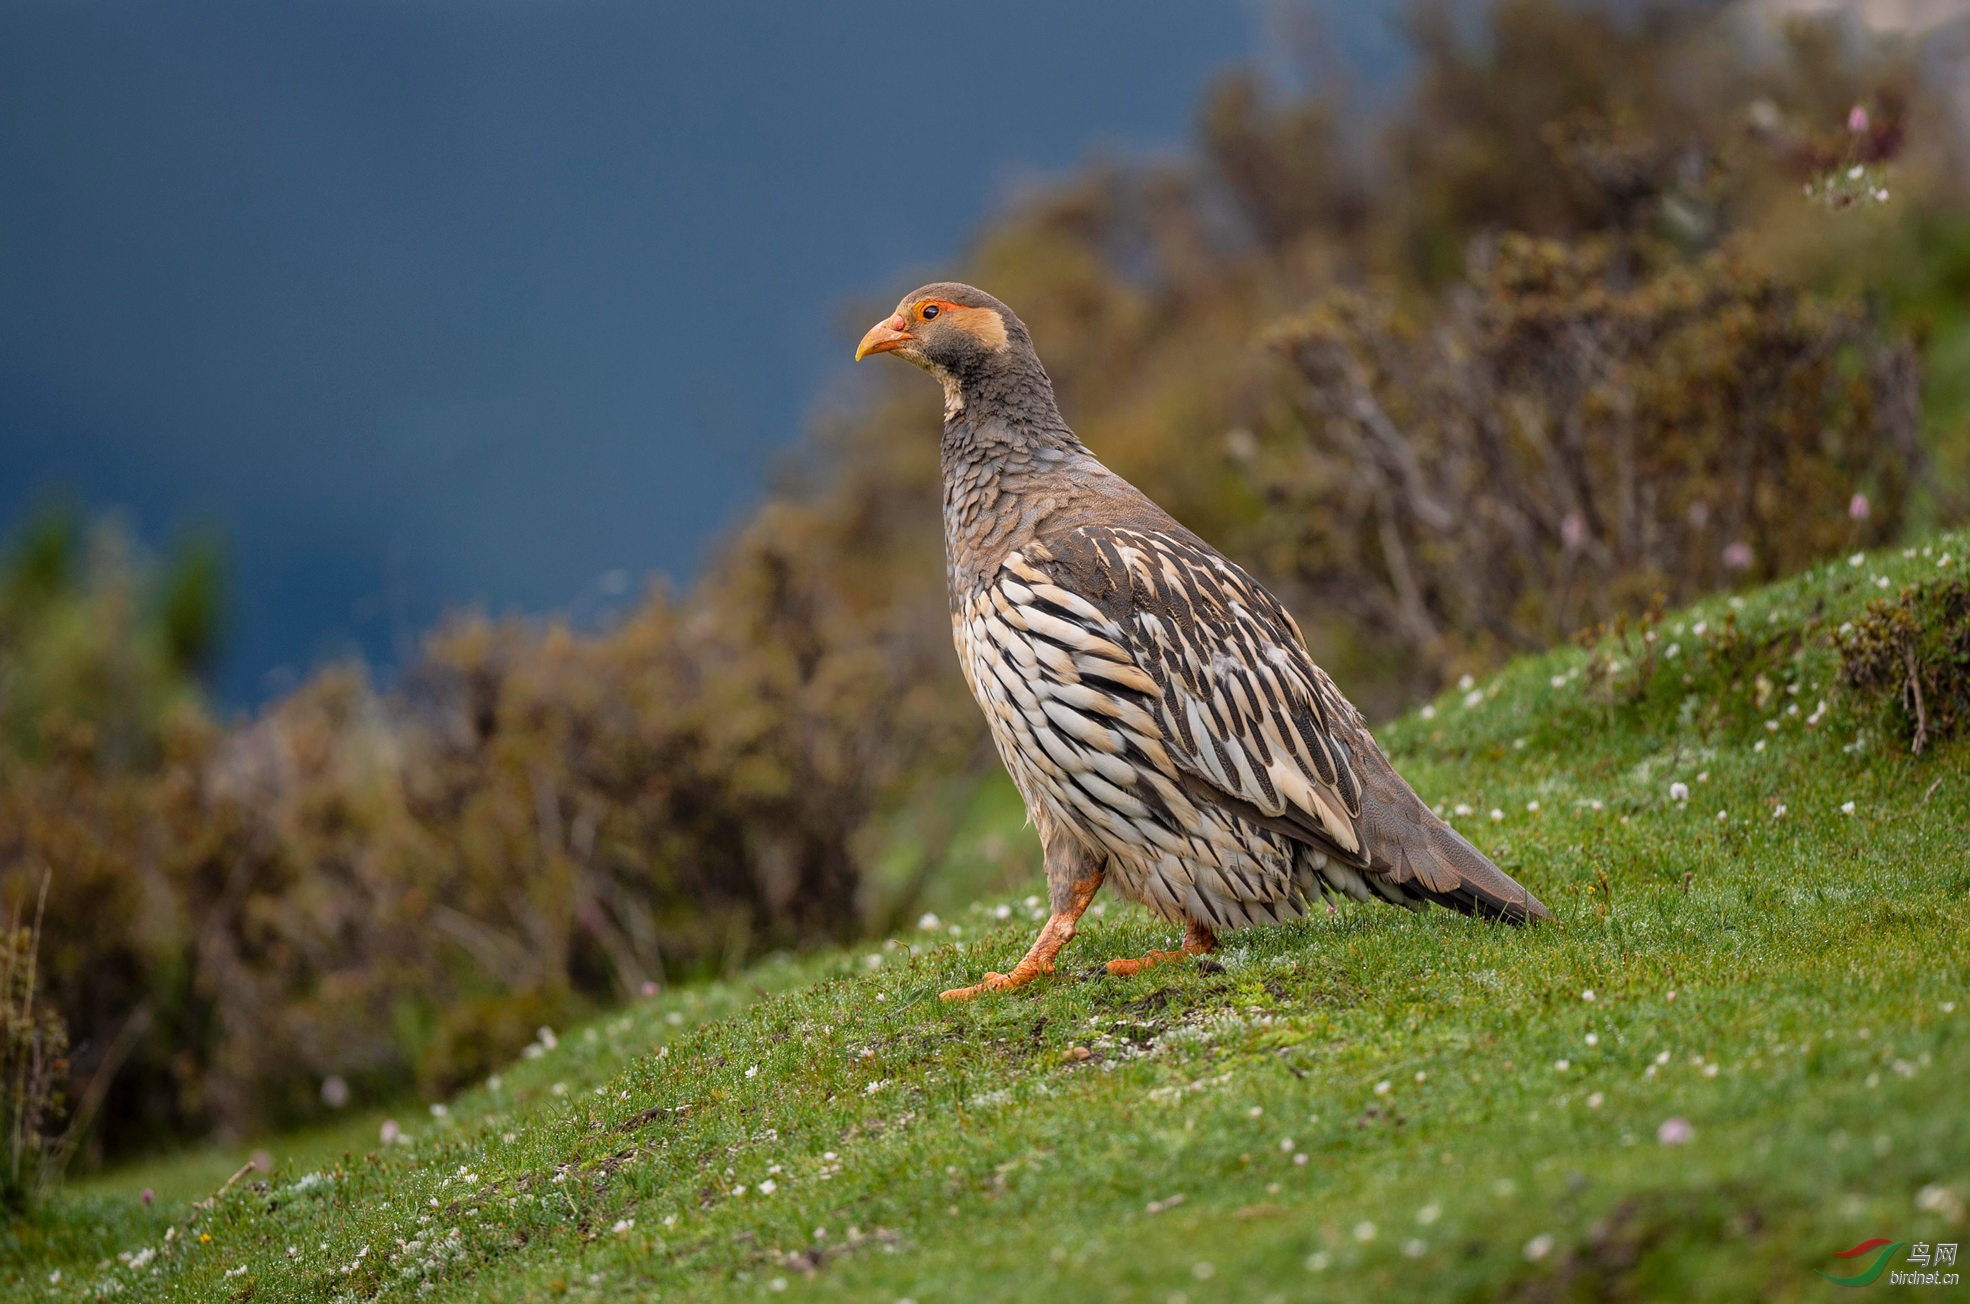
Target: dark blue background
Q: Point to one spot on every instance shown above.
(424, 304)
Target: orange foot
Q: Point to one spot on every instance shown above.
(1059, 931)
(1197, 940)
(1021, 974)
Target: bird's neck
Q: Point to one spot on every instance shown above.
(1011, 465)
(1001, 414)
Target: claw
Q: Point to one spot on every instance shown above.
(1197, 940)
(1124, 968)
(991, 982)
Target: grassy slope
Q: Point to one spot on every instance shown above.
(1372, 1106)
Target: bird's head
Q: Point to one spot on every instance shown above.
(953, 331)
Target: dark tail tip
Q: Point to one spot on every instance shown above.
(1482, 889)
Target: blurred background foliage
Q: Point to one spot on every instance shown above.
(1609, 308)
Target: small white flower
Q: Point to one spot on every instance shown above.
(1465, 683)
(623, 1225)
(1497, 815)
(1679, 791)
(1593, 1039)
(1596, 1100)
(1675, 1132)
(1673, 651)
(1846, 808)
(928, 922)
(1473, 698)
(1414, 1249)
(1539, 1247)
(1857, 559)
(1382, 1087)
(1758, 746)
(1587, 995)
(768, 1186)
(1778, 811)
(1428, 712)
(1558, 681)
(1722, 816)
(1364, 1231)
(1561, 1066)
(1699, 628)
(1463, 808)
(1429, 1213)
(753, 1072)
(1286, 1145)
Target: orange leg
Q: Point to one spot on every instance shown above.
(1197, 940)
(1058, 932)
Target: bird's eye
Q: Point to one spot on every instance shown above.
(928, 311)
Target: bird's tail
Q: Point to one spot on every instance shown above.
(1413, 853)
(1451, 872)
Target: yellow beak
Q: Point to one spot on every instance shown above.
(883, 337)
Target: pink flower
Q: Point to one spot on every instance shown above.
(1857, 119)
(1573, 531)
(1737, 556)
(1675, 1131)
(1857, 507)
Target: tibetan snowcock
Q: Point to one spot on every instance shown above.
(1156, 707)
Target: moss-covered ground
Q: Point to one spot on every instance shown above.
(1742, 1047)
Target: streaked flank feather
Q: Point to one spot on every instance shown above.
(1155, 705)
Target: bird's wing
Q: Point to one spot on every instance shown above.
(1154, 638)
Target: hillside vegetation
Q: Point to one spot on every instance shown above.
(1611, 306)
(1738, 1050)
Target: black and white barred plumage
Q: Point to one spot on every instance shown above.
(1157, 700)
(1156, 707)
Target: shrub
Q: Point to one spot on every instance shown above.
(33, 1061)
(1575, 436)
(1913, 651)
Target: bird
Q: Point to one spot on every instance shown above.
(1156, 707)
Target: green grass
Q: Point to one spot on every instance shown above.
(1374, 1105)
